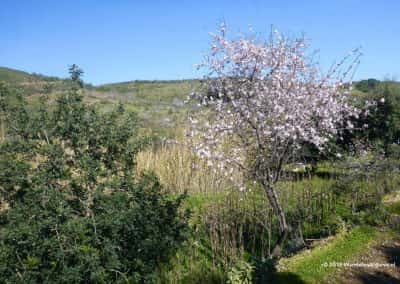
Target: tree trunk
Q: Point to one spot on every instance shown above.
(278, 211)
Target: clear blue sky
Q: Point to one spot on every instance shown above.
(121, 40)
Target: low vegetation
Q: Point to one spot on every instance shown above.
(315, 266)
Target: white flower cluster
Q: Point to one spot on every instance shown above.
(265, 98)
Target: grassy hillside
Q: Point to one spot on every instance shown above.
(160, 104)
(31, 83)
(15, 76)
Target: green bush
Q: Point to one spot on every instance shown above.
(393, 151)
(77, 213)
(241, 273)
(128, 234)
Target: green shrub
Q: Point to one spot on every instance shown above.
(77, 213)
(393, 151)
(241, 273)
(128, 234)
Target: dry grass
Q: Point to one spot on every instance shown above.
(180, 170)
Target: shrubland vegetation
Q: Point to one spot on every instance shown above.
(74, 208)
(93, 193)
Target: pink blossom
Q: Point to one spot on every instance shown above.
(262, 100)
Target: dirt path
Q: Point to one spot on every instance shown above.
(385, 252)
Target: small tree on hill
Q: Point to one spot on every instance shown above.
(76, 74)
(262, 101)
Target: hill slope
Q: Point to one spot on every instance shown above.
(159, 104)
(30, 83)
(16, 76)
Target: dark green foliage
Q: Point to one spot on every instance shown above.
(367, 85)
(130, 231)
(382, 124)
(76, 74)
(77, 212)
(381, 127)
(393, 151)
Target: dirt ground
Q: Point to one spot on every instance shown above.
(385, 252)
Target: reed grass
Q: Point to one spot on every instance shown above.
(180, 170)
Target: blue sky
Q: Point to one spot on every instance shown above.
(121, 40)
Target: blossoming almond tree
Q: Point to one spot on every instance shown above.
(260, 102)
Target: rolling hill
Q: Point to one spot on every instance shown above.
(31, 83)
(159, 104)
(15, 76)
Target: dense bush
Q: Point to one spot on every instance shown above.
(367, 85)
(73, 209)
(381, 127)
